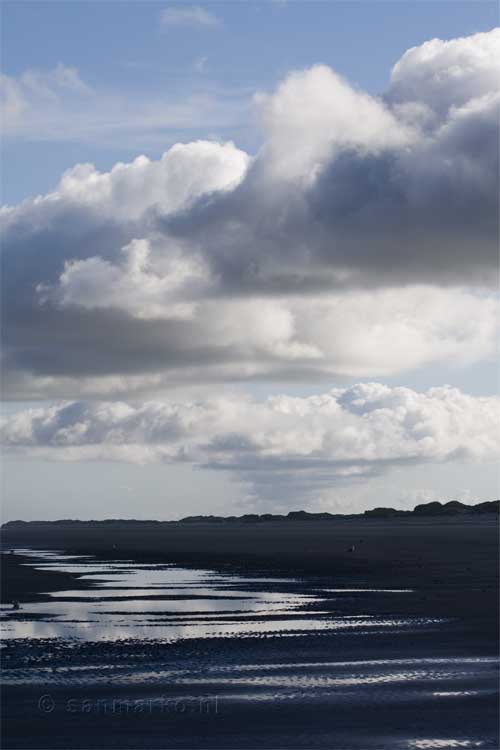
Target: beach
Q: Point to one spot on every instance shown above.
(268, 635)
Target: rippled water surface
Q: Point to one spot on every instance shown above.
(130, 600)
(345, 658)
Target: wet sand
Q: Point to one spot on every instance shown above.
(453, 563)
(253, 694)
(432, 683)
(28, 584)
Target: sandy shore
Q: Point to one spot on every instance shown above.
(420, 687)
(452, 562)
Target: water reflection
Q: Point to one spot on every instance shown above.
(145, 601)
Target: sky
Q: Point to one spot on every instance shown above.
(249, 257)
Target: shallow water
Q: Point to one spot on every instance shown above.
(166, 602)
(337, 667)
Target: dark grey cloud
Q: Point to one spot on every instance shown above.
(357, 213)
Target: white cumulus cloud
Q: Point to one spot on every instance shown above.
(360, 241)
(282, 445)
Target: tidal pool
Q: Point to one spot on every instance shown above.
(167, 602)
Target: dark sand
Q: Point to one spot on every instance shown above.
(451, 563)
(24, 584)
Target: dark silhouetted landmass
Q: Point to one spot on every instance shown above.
(451, 508)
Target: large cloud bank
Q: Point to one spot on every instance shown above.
(361, 240)
(283, 447)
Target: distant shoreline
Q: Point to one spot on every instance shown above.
(432, 509)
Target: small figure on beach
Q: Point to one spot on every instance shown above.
(15, 604)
